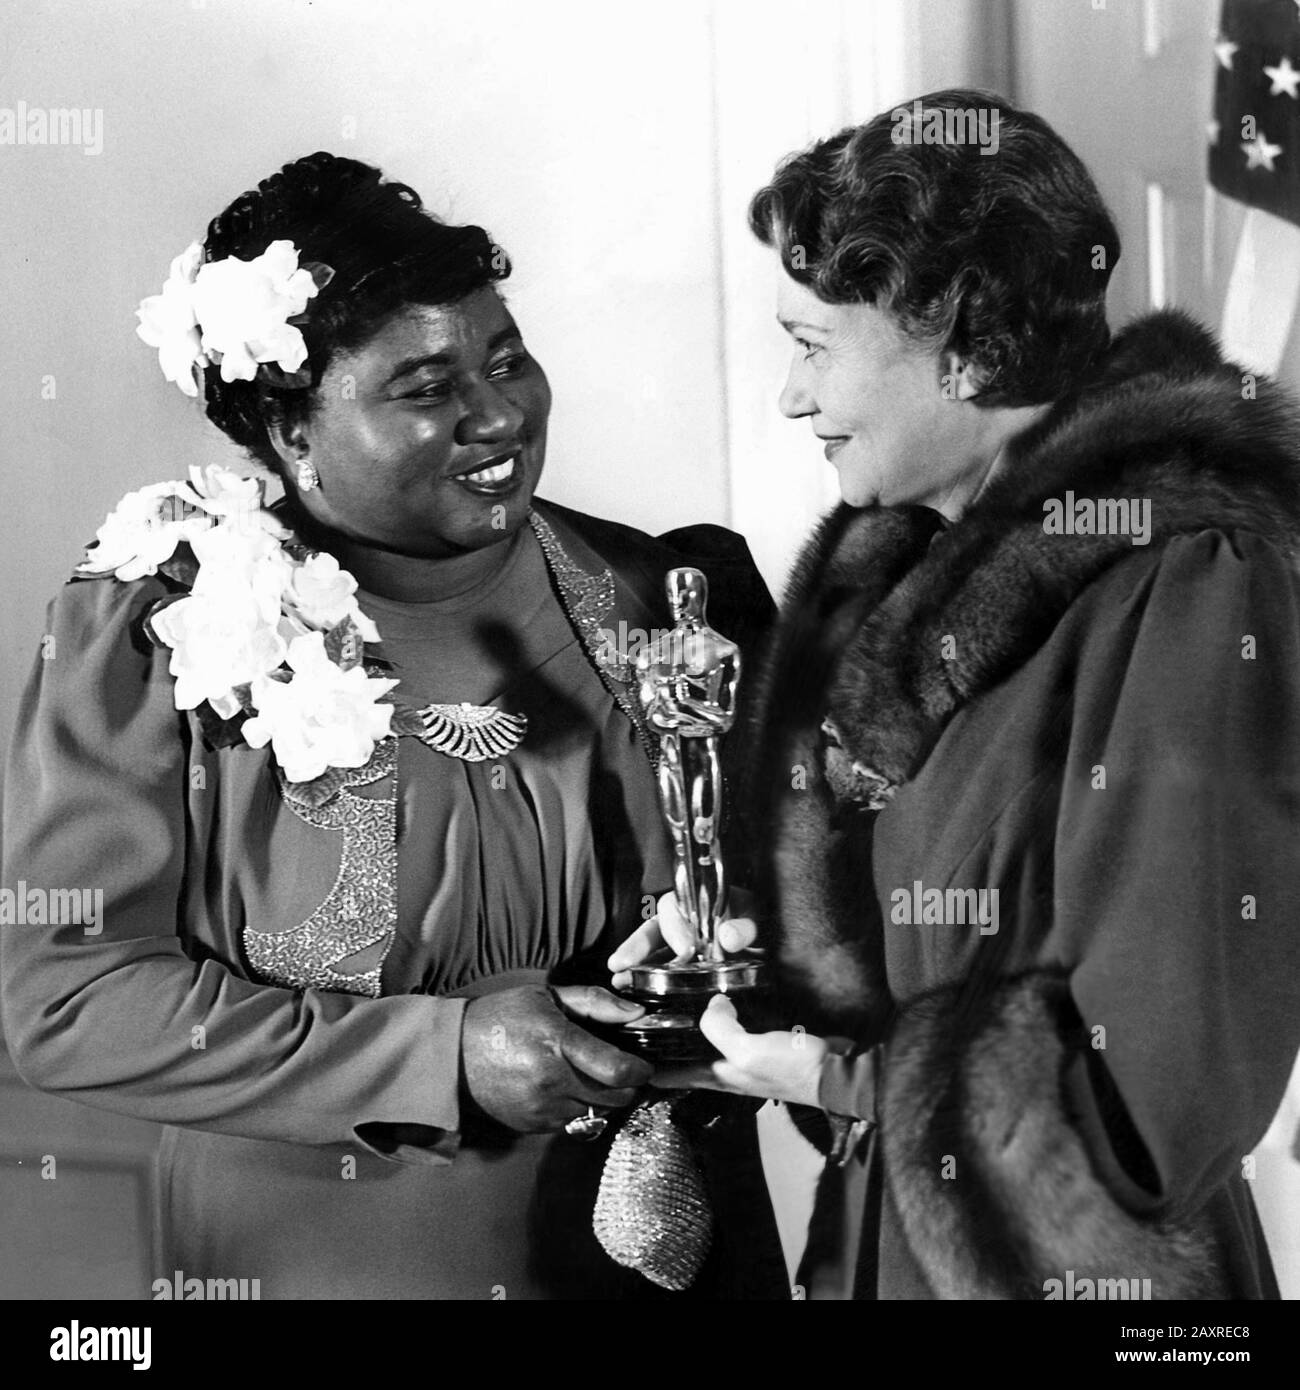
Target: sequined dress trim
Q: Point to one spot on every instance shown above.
(361, 908)
(588, 599)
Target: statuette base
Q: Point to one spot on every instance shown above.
(675, 996)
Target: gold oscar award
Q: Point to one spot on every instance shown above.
(687, 681)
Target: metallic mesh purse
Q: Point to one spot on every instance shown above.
(652, 1212)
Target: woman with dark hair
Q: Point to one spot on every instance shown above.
(1031, 740)
(362, 783)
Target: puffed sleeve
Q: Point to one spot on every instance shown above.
(1177, 874)
(111, 1014)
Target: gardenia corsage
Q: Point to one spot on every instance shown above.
(267, 635)
(240, 314)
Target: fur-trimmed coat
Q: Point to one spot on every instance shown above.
(1100, 736)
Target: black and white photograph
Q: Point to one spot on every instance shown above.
(652, 653)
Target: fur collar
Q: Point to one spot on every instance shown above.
(877, 590)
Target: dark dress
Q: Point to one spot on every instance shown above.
(283, 986)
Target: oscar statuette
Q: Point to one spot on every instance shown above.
(687, 684)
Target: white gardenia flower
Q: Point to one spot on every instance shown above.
(168, 321)
(323, 717)
(243, 562)
(221, 492)
(219, 640)
(323, 594)
(143, 531)
(242, 307)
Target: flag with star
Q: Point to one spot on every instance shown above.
(1255, 161)
(1256, 155)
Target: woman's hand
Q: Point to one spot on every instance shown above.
(669, 928)
(530, 1067)
(775, 1066)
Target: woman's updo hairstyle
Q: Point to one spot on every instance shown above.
(1000, 252)
(385, 250)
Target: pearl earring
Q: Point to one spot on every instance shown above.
(308, 477)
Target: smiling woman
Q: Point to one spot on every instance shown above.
(419, 375)
(367, 834)
(428, 441)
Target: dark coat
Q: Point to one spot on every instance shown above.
(1108, 735)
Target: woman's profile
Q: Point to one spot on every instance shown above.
(1030, 743)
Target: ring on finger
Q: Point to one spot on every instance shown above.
(588, 1126)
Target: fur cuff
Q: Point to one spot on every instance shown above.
(994, 1186)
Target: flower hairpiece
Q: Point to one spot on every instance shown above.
(242, 315)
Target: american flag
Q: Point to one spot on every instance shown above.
(1254, 158)
(1255, 133)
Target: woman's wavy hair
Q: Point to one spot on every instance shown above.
(386, 251)
(1002, 257)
